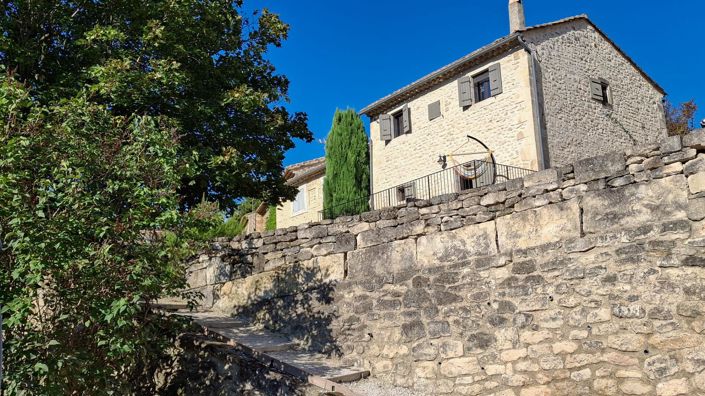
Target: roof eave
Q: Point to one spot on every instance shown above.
(438, 75)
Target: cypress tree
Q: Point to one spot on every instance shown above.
(347, 184)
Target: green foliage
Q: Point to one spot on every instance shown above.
(271, 219)
(128, 130)
(347, 183)
(202, 64)
(84, 196)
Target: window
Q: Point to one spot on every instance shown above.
(395, 124)
(600, 91)
(482, 86)
(398, 124)
(405, 192)
(299, 204)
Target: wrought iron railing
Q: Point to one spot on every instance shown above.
(472, 174)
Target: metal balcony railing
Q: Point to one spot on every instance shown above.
(469, 175)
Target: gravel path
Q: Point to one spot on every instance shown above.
(374, 387)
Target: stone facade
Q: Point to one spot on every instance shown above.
(286, 217)
(504, 122)
(568, 54)
(577, 126)
(577, 280)
(308, 177)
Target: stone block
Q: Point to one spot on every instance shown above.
(605, 386)
(450, 349)
(581, 359)
(695, 140)
(598, 167)
(581, 375)
(424, 351)
(540, 390)
(550, 362)
(511, 355)
(538, 226)
(695, 165)
(412, 331)
(626, 342)
(693, 360)
(633, 387)
(671, 144)
(385, 259)
(457, 245)
(545, 176)
(696, 183)
(696, 209)
(660, 366)
(680, 156)
(635, 205)
(673, 387)
(457, 367)
(493, 198)
(313, 232)
(675, 340)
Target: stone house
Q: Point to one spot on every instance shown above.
(543, 96)
(308, 177)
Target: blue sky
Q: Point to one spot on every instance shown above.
(349, 54)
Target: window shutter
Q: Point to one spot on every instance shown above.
(385, 127)
(495, 79)
(465, 91)
(434, 110)
(406, 119)
(596, 90)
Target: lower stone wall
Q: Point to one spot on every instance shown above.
(586, 279)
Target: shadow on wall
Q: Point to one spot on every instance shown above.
(297, 301)
(200, 366)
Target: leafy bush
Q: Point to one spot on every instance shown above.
(84, 196)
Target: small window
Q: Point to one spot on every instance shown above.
(299, 204)
(600, 91)
(481, 85)
(406, 192)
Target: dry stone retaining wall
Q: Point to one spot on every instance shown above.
(585, 279)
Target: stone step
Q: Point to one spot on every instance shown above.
(319, 365)
(279, 352)
(171, 304)
(241, 332)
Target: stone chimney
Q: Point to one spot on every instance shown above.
(516, 16)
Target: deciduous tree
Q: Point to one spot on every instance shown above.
(680, 119)
(202, 64)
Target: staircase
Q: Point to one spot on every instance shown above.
(276, 351)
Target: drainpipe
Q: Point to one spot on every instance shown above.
(537, 109)
(369, 148)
